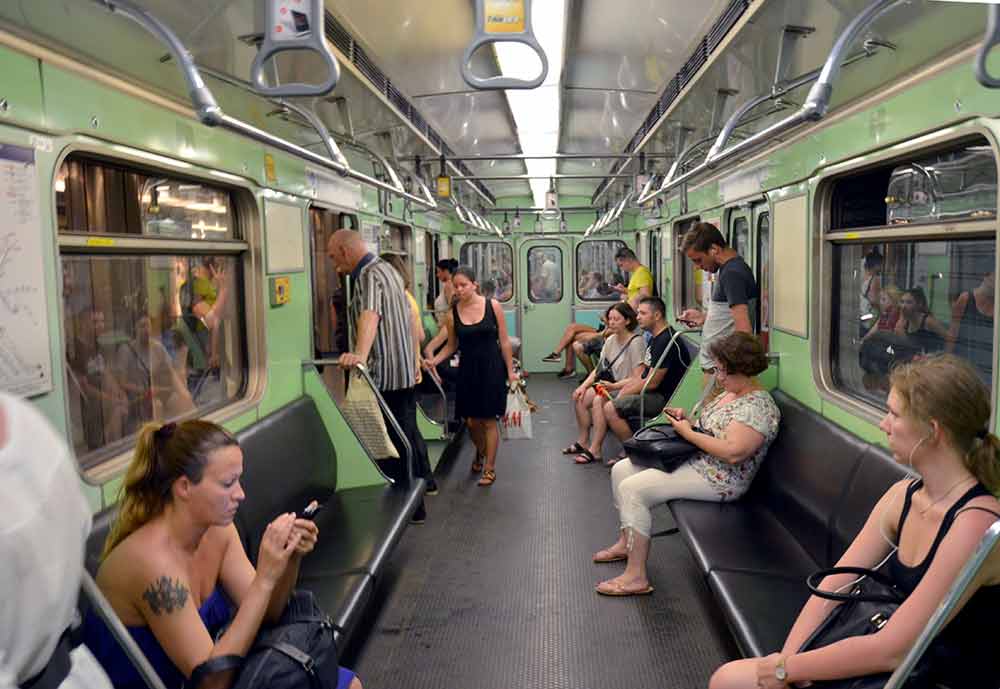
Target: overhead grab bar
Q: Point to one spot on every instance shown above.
(298, 29)
(324, 134)
(210, 114)
(937, 621)
(992, 39)
(814, 108)
(503, 22)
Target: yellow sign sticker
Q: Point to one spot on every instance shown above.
(269, 171)
(853, 235)
(444, 187)
(503, 16)
(100, 241)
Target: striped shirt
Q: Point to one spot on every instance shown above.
(391, 361)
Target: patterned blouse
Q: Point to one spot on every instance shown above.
(756, 410)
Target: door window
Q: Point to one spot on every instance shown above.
(596, 269)
(545, 279)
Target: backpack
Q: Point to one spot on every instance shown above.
(299, 652)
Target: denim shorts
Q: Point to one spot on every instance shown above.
(628, 405)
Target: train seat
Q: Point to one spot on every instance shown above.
(289, 460)
(811, 497)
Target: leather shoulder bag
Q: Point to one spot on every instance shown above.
(660, 447)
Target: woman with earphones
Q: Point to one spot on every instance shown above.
(923, 530)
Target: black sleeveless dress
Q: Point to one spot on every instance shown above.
(964, 653)
(481, 392)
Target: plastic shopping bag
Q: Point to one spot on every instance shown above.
(516, 421)
(361, 411)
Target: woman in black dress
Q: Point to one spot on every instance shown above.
(478, 330)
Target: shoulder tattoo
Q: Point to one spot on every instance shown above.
(165, 595)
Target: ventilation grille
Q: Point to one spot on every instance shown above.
(350, 48)
(706, 46)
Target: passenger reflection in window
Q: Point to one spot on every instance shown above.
(102, 403)
(145, 372)
(971, 330)
(203, 301)
(917, 324)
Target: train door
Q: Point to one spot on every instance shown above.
(740, 221)
(655, 262)
(545, 298)
(431, 285)
(330, 334)
(762, 269)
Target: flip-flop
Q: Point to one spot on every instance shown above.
(621, 591)
(616, 558)
(574, 449)
(611, 461)
(587, 456)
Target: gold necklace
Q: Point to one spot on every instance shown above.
(947, 493)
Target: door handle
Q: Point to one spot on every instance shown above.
(528, 307)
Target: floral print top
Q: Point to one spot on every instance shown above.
(756, 410)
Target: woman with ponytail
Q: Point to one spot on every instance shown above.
(173, 567)
(923, 531)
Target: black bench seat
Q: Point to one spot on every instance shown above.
(812, 495)
(289, 460)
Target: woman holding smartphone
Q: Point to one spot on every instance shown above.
(174, 569)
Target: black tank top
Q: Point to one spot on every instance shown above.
(963, 655)
(975, 339)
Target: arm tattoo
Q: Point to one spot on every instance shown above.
(164, 595)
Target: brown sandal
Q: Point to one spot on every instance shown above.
(477, 465)
(489, 476)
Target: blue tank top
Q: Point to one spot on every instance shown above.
(215, 612)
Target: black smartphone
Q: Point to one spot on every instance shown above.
(311, 510)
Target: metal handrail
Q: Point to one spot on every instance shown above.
(210, 114)
(649, 375)
(937, 621)
(992, 38)
(385, 411)
(444, 402)
(324, 134)
(100, 605)
(815, 107)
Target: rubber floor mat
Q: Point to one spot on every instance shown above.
(496, 590)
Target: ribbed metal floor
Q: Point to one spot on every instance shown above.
(496, 590)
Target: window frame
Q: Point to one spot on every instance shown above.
(108, 462)
(821, 302)
(513, 276)
(612, 298)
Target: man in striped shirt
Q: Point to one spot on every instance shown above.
(383, 341)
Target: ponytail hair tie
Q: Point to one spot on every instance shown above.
(982, 433)
(164, 432)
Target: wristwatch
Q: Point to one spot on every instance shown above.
(780, 673)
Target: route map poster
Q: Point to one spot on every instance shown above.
(25, 364)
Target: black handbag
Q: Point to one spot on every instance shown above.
(660, 447)
(299, 652)
(864, 609)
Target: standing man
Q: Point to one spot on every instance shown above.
(640, 282)
(382, 340)
(733, 303)
(663, 379)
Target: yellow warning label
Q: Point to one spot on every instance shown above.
(444, 187)
(503, 16)
(100, 241)
(269, 171)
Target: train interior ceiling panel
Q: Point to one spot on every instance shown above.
(774, 219)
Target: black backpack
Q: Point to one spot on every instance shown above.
(297, 653)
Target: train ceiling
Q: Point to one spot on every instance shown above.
(622, 65)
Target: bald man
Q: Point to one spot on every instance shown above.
(383, 341)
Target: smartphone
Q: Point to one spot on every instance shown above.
(670, 416)
(311, 510)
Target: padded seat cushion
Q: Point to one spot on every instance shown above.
(739, 535)
(343, 597)
(359, 528)
(759, 608)
(876, 471)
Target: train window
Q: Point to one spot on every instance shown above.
(957, 183)
(691, 279)
(329, 287)
(493, 264)
(897, 300)
(596, 269)
(545, 278)
(148, 338)
(740, 239)
(763, 275)
(97, 197)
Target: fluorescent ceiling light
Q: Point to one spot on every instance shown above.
(536, 111)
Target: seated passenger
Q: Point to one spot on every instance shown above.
(917, 324)
(937, 424)
(46, 520)
(740, 423)
(629, 404)
(173, 561)
(574, 333)
(622, 356)
(888, 312)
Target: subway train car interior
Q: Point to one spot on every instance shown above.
(416, 307)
